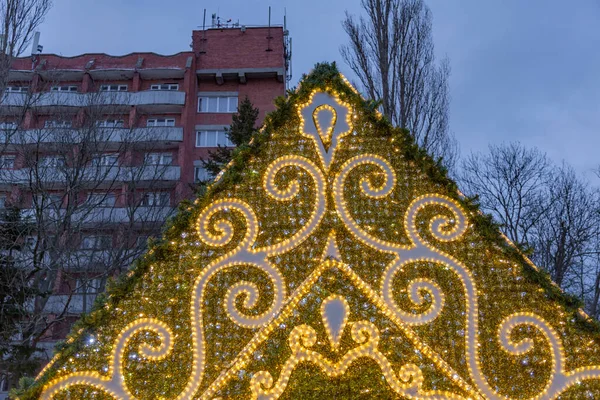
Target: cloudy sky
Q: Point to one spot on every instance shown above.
(521, 70)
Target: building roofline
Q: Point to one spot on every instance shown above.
(106, 55)
(239, 27)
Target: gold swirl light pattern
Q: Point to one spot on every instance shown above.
(334, 261)
(408, 382)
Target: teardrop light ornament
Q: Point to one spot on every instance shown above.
(335, 312)
(325, 118)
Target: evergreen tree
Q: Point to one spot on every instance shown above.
(240, 132)
(16, 355)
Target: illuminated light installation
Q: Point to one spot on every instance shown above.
(336, 259)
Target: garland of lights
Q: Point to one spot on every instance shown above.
(270, 296)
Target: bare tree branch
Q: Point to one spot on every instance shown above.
(391, 52)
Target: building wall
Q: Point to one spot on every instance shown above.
(241, 63)
(236, 48)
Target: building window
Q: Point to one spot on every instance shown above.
(156, 199)
(56, 200)
(68, 88)
(201, 174)
(113, 88)
(88, 285)
(217, 104)
(105, 160)
(161, 122)
(101, 199)
(2, 201)
(111, 123)
(17, 89)
(158, 158)
(165, 86)
(96, 242)
(7, 162)
(212, 139)
(142, 241)
(30, 242)
(50, 199)
(53, 123)
(8, 125)
(52, 162)
(4, 384)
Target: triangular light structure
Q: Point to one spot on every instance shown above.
(333, 259)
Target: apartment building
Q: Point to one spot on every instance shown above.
(98, 150)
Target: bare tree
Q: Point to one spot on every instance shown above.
(565, 232)
(93, 186)
(592, 294)
(392, 53)
(512, 183)
(590, 282)
(548, 208)
(18, 21)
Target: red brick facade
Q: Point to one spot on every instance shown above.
(241, 61)
(224, 64)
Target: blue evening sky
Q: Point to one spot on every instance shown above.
(521, 70)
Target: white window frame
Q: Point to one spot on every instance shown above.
(66, 88)
(154, 122)
(205, 101)
(164, 86)
(99, 199)
(88, 285)
(17, 89)
(113, 88)
(56, 123)
(7, 161)
(30, 241)
(156, 199)
(56, 200)
(111, 123)
(142, 241)
(158, 158)
(96, 242)
(106, 160)
(220, 138)
(4, 384)
(200, 174)
(50, 199)
(52, 161)
(8, 125)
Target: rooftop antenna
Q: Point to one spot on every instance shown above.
(287, 49)
(269, 37)
(36, 47)
(204, 33)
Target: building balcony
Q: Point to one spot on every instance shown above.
(152, 134)
(97, 215)
(147, 100)
(159, 136)
(15, 99)
(96, 176)
(123, 214)
(73, 304)
(69, 258)
(152, 173)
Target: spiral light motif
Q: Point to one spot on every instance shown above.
(216, 227)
